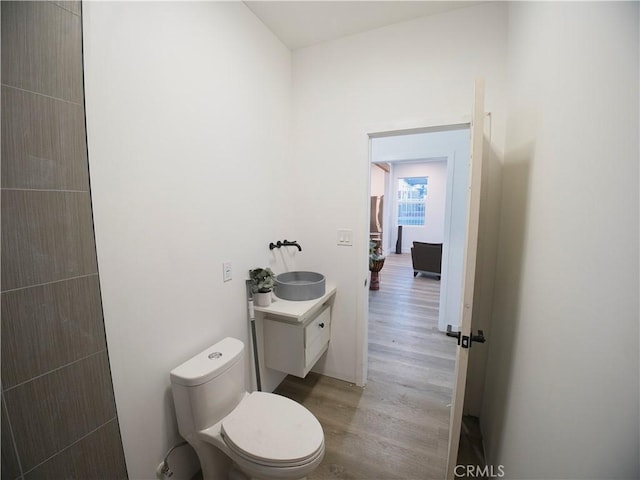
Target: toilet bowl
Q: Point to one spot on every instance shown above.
(269, 436)
(263, 435)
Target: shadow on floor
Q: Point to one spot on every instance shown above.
(471, 451)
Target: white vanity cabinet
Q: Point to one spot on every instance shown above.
(293, 347)
(296, 334)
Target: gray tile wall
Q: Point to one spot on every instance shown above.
(57, 405)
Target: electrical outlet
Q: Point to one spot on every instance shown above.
(226, 271)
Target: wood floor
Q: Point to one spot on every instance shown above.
(397, 427)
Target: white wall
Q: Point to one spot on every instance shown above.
(561, 399)
(188, 112)
(412, 74)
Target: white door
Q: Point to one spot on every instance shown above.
(465, 334)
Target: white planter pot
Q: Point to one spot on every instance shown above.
(262, 299)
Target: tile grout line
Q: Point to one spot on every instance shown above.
(13, 439)
(12, 189)
(8, 389)
(42, 95)
(50, 283)
(66, 9)
(70, 445)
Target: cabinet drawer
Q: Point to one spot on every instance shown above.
(295, 347)
(318, 328)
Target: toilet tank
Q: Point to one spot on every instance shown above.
(208, 386)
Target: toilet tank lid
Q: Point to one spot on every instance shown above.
(209, 363)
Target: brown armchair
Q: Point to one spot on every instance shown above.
(427, 258)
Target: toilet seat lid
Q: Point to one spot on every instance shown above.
(272, 429)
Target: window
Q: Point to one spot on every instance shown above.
(412, 194)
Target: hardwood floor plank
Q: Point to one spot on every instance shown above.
(397, 427)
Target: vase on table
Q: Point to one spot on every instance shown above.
(375, 266)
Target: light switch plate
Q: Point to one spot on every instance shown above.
(345, 237)
(226, 271)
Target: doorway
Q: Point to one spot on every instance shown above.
(439, 156)
(407, 350)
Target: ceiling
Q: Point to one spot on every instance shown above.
(300, 24)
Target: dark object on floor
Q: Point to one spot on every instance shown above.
(375, 266)
(399, 241)
(426, 258)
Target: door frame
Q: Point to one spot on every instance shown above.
(391, 129)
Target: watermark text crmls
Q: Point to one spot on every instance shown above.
(477, 471)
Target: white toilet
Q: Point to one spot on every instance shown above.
(237, 434)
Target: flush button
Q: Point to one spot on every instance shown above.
(214, 355)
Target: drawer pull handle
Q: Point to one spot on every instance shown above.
(321, 325)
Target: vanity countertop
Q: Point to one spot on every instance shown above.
(298, 310)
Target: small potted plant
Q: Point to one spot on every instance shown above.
(262, 282)
(376, 262)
